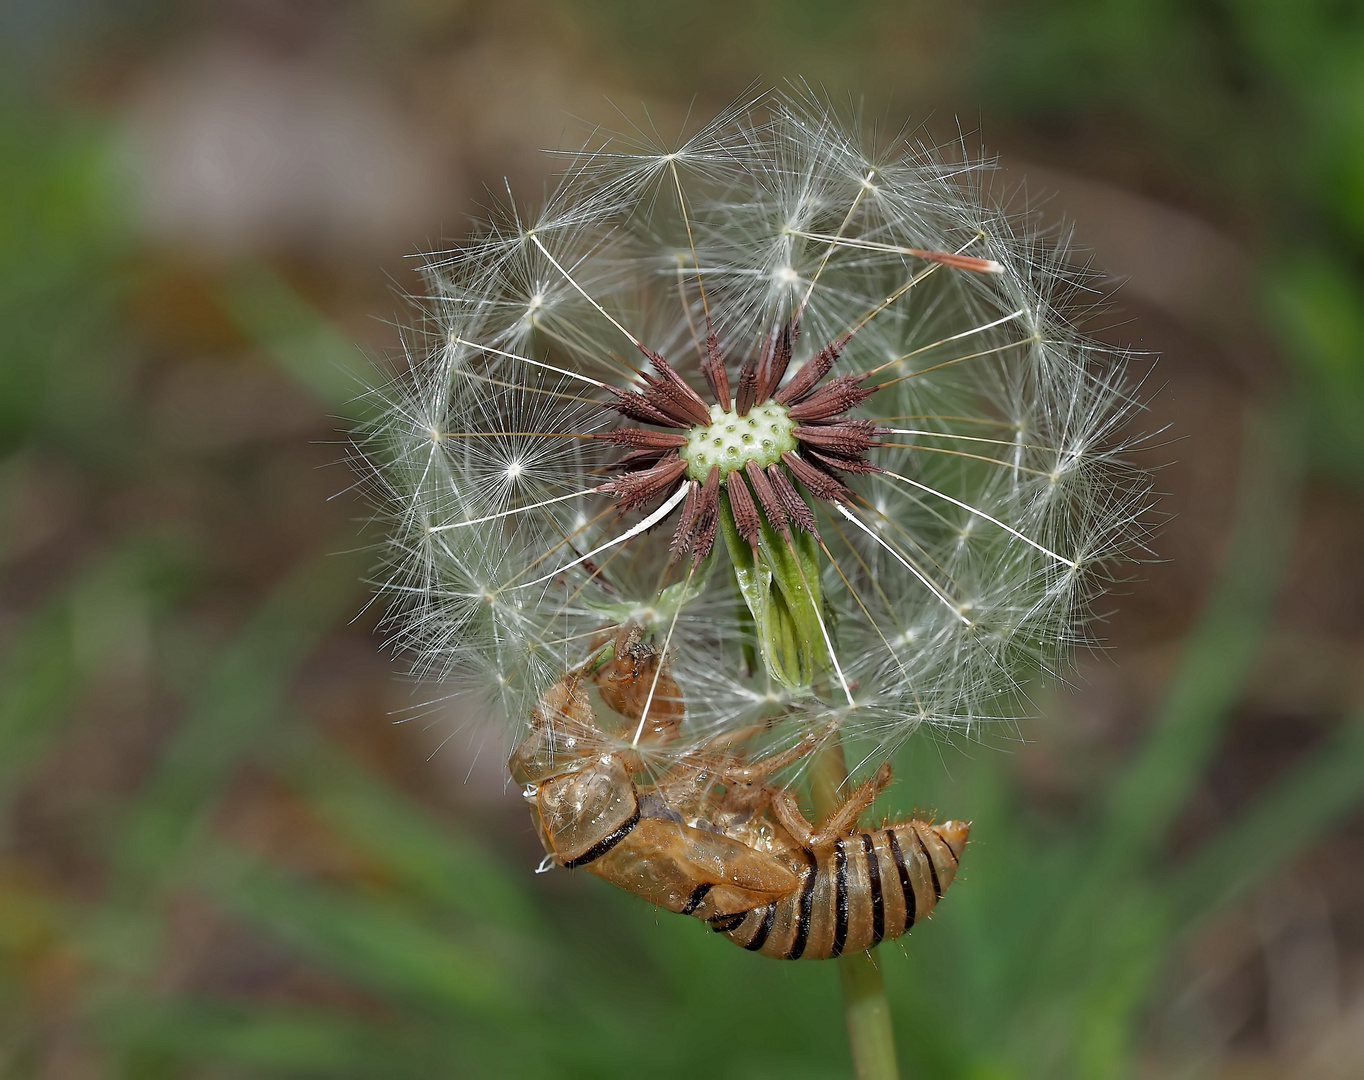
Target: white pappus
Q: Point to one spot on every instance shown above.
(803, 404)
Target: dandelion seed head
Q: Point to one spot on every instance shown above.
(577, 374)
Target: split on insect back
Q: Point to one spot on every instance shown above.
(793, 399)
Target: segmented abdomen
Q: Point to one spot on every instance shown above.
(855, 893)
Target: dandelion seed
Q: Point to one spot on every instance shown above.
(803, 406)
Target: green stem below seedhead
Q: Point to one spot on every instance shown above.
(865, 1005)
(867, 1010)
(779, 583)
(780, 587)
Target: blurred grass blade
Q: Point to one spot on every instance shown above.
(1218, 656)
(1297, 808)
(38, 683)
(53, 651)
(264, 1039)
(429, 859)
(242, 694)
(299, 339)
(382, 945)
(1110, 925)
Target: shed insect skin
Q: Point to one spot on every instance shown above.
(627, 678)
(710, 838)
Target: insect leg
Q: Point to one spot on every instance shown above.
(846, 813)
(747, 773)
(788, 813)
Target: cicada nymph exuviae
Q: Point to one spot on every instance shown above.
(708, 834)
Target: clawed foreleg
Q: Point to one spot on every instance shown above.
(695, 780)
(735, 770)
(788, 813)
(746, 789)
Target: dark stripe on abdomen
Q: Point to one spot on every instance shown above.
(698, 895)
(928, 858)
(807, 901)
(956, 862)
(878, 904)
(764, 928)
(906, 886)
(840, 899)
(602, 846)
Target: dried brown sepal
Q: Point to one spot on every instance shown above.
(845, 464)
(778, 359)
(767, 498)
(707, 516)
(819, 483)
(639, 438)
(764, 361)
(686, 523)
(677, 390)
(814, 369)
(744, 509)
(640, 459)
(637, 407)
(796, 508)
(637, 488)
(834, 398)
(847, 438)
(713, 368)
(669, 400)
(747, 396)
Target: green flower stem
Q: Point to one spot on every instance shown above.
(780, 586)
(865, 1006)
(867, 1011)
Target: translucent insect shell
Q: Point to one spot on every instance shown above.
(706, 835)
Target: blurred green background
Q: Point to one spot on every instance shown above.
(219, 854)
